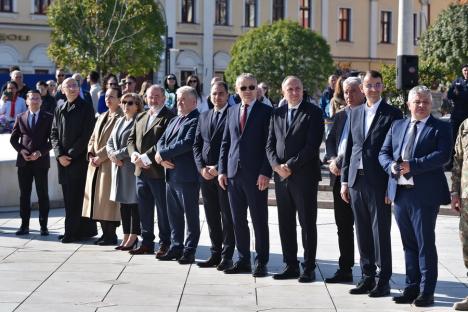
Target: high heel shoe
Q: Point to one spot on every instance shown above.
(133, 246)
(119, 247)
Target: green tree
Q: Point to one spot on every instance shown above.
(271, 52)
(445, 42)
(106, 35)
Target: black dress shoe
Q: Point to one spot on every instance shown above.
(187, 259)
(97, 241)
(307, 276)
(289, 272)
(171, 254)
(224, 264)
(59, 237)
(211, 262)
(68, 239)
(108, 242)
(365, 285)
(424, 300)
(239, 268)
(142, 250)
(260, 270)
(408, 296)
(340, 276)
(44, 231)
(22, 231)
(382, 289)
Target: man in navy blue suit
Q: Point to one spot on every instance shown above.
(413, 155)
(364, 184)
(293, 149)
(215, 200)
(245, 171)
(174, 152)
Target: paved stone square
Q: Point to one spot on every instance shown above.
(41, 274)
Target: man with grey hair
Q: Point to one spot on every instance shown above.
(413, 155)
(335, 147)
(85, 95)
(174, 152)
(17, 76)
(147, 129)
(245, 172)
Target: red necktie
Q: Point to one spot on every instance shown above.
(243, 118)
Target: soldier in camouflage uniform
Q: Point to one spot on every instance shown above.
(460, 194)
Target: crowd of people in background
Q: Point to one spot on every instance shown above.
(122, 153)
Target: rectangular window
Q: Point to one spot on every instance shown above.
(305, 13)
(188, 11)
(278, 10)
(415, 29)
(386, 27)
(250, 13)
(40, 6)
(221, 17)
(6, 5)
(345, 24)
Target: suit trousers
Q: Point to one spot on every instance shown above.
(417, 221)
(130, 218)
(243, 192)
(297, 197)
(182, 198)
(151, 192)
(373, 219)
(219, 218)
(344, 220)
(26, 175)
(76, 226)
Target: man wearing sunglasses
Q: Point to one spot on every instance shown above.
(128, 84)
(245, 172)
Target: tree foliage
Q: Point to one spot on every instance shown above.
(106, 35)
(271, 52)
(445, 42)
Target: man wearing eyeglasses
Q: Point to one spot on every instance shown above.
(364, 185)
(293, 149)
(148, 128)
(71, 130)
(245, 172)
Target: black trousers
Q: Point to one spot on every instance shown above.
(373, 219)
(297, 197)
(344, 220)
(76, 226)
(219, 218)
(26, 176)
(130, 218)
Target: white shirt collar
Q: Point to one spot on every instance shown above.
(374, 107)
(422, 121)
(221, 110)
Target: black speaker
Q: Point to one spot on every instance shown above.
(407, 71)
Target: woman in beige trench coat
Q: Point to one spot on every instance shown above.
(96, 203)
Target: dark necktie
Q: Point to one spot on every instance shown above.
(290, 120)
(243, 118)
(33, 122)
(215, 121)
(409, 148)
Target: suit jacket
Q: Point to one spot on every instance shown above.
(207, 144)
(299, 145)
(72, 127)
(368, 147)
(433, 149)
(142, 140)
(37, 139)
(333, 141)
(246, 150)
(177, 147)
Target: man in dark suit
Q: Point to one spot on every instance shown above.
(148, 128)
(175, 153)
(215, 200)
(293, 148)
(364, 183)
(336, 147)
(413, 155)
(72, 127)
(245, 172)
(30, 138)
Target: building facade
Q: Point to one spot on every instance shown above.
(362, 34)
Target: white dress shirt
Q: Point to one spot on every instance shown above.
(369, 114)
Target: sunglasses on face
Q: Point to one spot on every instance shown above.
(60, 75)
(170, 78)
(244, 88)
(113, 84)
(193, 81)
(129, 103)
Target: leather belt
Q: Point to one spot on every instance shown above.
(360, 172)
(406, 186)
